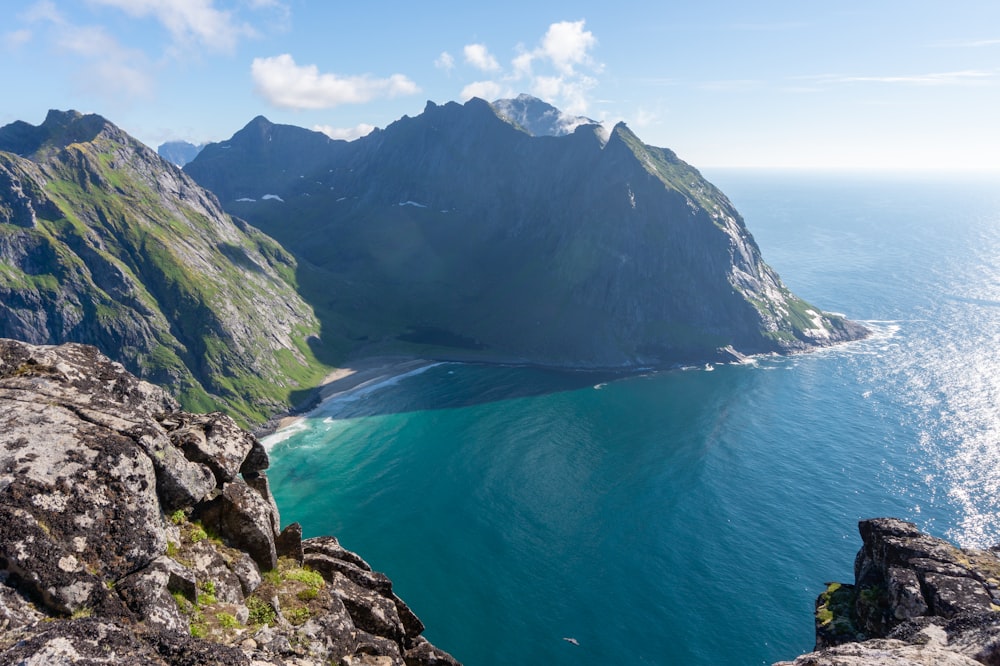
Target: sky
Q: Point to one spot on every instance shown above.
(873, 84)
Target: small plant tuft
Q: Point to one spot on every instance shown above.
(227, 620)
(307, 576)
(81, 613)
(261, 612)
(297, 616)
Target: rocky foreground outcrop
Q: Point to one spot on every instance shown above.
(135, 533)
(916, 600)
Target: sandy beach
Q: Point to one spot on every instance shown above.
(357, 375)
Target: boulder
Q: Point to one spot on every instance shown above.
(916, 599)
(130, 529)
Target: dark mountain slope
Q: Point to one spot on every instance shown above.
(459, 231)
(104, 242)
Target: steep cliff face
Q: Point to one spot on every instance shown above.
(103, 242)
(459, 230)
(135, 533)
(915, 600)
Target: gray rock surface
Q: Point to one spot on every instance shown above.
(129, 535)
(916, 599)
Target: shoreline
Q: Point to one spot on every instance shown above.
(354, 375)
(368, 371)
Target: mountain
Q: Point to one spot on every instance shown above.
(458, 233)
(538, 118)
(104, 242)
(179, 153)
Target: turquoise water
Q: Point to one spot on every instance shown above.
(692, 516)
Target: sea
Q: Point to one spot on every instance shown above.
(688, 516)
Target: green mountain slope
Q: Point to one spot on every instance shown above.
(457, 233)
(104, 242)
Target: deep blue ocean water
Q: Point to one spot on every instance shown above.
(690, 516)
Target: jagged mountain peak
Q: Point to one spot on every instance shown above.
(537, 117)
(60, 129)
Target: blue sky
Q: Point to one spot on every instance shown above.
(874, 84)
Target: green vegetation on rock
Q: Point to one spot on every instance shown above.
(103, 242)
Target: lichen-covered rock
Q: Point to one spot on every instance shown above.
(916, 599)
(213, 439)
(247, 520)
(89, 641)
(424, 654)
(289, 543)
(148, 593)
(130, 530)
(882, 652)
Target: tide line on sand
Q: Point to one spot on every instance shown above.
(355, 378)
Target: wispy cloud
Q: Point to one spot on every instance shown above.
(560, 69)
(966, 43)
(15, 39)
(958, 78)
(103, 65)
(191, 21)
(777, 26)
(731, 85)
(98, 61)
(283, 83)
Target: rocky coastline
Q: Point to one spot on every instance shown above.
(916, 600)
(132, 532)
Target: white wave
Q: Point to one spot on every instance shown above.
(282, 434)
(366, 388)
(274, 197)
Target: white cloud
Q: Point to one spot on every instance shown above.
(488, 90)
(346, 133)
(445, 61)
(571, 93)
(567, 44)
(479, 57)
(559, 70)
(287, 85)
(521, 64)
(188, 20)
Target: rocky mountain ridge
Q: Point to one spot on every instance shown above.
(916, 600)
(459, 234)
(134, 533)
(104, 242)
